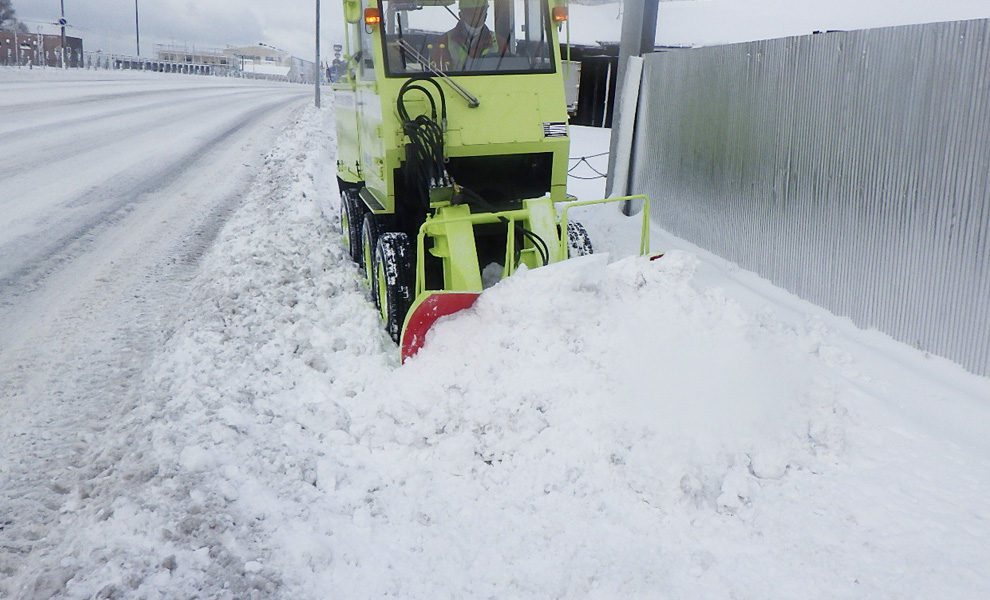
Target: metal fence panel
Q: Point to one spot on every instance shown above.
(852, 168)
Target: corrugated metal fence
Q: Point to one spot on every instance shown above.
(852, 168)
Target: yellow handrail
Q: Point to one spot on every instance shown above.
(644, 240)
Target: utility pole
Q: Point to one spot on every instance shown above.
(62, 23)
(639, 30)
(137, 28)
(316, 67)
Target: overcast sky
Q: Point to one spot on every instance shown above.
(109, 25)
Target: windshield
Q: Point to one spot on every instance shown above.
(466, 37)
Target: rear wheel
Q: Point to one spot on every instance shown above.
(394, 280)
(370, 229)
(351, 218)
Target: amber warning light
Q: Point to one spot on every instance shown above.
(372, 16)
(559, 14)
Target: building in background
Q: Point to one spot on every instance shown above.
(36, 49)
(301, 71)
(172, 53)
(263, 59)
(259, 62)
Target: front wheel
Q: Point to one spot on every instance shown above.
(394, 280)
(578, 240)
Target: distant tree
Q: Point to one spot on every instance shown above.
(8, 21)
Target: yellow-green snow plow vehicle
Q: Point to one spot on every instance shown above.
(452, 151)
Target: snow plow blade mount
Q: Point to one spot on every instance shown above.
(454, 225)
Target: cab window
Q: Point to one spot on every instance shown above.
(466, 37)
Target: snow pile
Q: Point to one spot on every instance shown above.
(589, 429)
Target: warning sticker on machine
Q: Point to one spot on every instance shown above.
(555, 129)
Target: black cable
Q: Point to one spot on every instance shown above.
(433, 103)
(472, 198)
(426, 79)
(426, 163)
(538, 243)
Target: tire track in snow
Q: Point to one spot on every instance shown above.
(129, 188)
(97, 98)
(158, 103)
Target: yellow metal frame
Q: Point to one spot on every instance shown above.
(452, 230)
(644, 239)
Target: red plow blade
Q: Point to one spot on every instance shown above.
(424, 313)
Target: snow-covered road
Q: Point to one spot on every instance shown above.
(199, 402)
(112, 187)
(80, 156)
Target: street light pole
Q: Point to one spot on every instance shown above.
(137, 28)
(316, 67)
(62, 23)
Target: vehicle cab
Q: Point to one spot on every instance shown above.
(504, 118)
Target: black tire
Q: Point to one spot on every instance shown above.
(578, 240)
(394, 280)
(351, 218)
(370, 230)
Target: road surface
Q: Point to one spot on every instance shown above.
(111, 191)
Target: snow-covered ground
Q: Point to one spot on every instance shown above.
(609, 427)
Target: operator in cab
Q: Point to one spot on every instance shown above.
(470, 38)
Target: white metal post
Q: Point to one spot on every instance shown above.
(316, 67)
